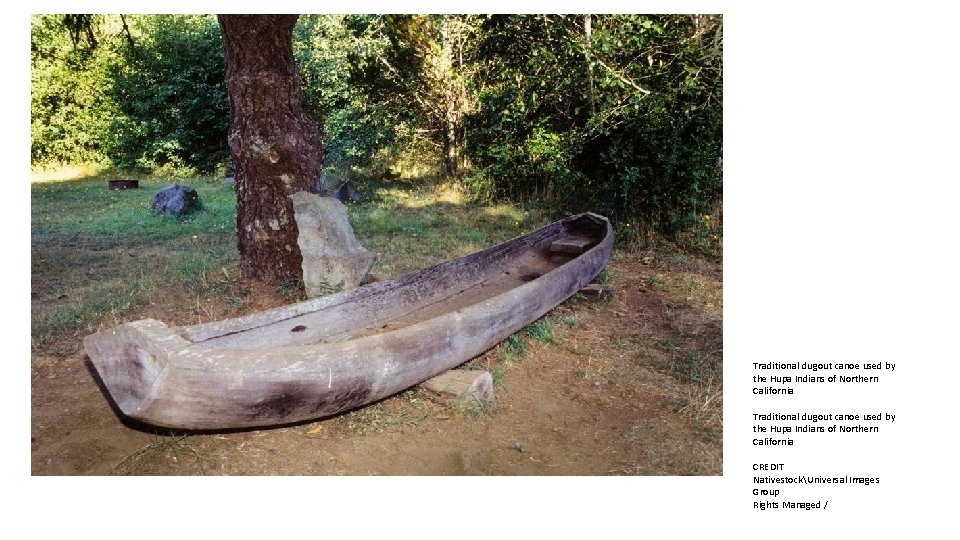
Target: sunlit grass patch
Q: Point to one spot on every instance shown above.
(415, 228)
(445, 194)
(690, 288)
(64, 172)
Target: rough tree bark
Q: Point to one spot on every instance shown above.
(275, 146)
(451, 109)
(587, 35)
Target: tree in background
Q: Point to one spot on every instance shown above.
(435, 75)
(620, 114)
(363, 116)
(274, 144)
(403, 81)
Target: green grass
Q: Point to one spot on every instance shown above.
(515, 347)
(98, 256)
(412, 228)
(81, 310)
(85, 210)
(542, 330)
(656, 281)
(511, 349)
(498, 375)
(605, 276)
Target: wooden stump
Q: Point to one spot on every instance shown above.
(474, 388)
(114, 185)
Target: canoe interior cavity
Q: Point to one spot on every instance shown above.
(420, 296)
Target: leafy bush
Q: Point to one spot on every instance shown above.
(172, 97)
(160, 103)
(586, 135)
(68, 105)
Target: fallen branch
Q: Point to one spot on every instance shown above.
(623, 77)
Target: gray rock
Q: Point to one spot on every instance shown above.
(333, 259)
(347, 192)
(323, 185)
(176, 200)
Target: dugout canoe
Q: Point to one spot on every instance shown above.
(326, 355)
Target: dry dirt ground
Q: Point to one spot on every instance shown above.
(627, 386)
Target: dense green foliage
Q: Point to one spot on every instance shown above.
(70, 111)
(617, 114)
(151, 99)
(337, 56)
(633, 128)
(171, 96)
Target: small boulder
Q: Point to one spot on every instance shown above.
(347, 192)
(176, 200)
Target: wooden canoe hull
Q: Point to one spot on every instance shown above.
(257, 371)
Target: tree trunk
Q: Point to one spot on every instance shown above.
(588, 33)
(451, 110)
(450, 159)
(126, 30)
(275, 146)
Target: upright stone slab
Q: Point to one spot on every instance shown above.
(333, 259)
